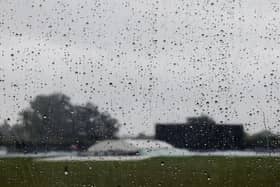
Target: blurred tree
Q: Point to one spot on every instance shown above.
(263, 140)
(201, 120)
(53, 120)
(5, 133)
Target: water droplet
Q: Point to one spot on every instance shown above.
(66, 172)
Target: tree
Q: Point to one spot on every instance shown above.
(263, 140)
(201, 120)
(5, 133)
(53, 120)
(90, 125)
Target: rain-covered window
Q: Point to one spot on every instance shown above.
(146, 93)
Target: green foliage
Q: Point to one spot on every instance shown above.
(263, 140)
(5, 134)
(54, 120)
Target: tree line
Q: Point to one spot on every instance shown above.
(263, 141)
(53, 122)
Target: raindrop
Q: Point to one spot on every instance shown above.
(208, 176)
(66, 172)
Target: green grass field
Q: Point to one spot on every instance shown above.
(156, 172)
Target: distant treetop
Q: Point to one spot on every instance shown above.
(203, 119)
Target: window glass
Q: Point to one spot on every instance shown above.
(139, 93)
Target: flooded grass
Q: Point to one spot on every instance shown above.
(165, 172)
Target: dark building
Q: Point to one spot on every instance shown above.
(202, 133)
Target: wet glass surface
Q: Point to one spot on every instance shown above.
(139, 93)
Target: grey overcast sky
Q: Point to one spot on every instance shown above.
(145, 61)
